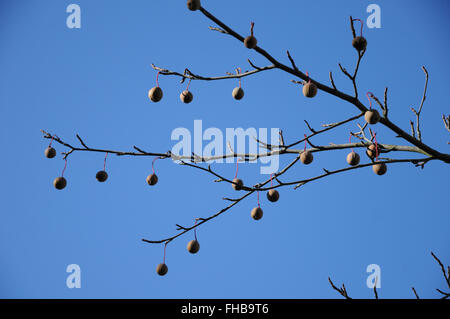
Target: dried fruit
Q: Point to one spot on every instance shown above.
(237, 184)
(353, 158)
(257, 213)
(50, 152)
(101, 176)
(250, 42)
(193, 246)
(273, 195)
(371, 151)
(238, 93)
(306, 157)
(309, 89)
(59, 182)
(186, 96)
(359, 43)
(379, 169)
(155, 94)
(193, 5)
(152, 179)
(372, 116)
(162, 269)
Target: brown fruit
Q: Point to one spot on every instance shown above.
(152, 179)
(309, 89)
(101, 176)
(353, 158)
(186, 96)
(306, 157)
(238, 93)
(237, 184)
(257, 213)
(359, 43)
(372, 116)
(155, 94)
(193, 246)
(59, 182)
(193, 5)
(371, 151)
(379, 169)
(273, 195)
(162, 269)
(250, 42)
(50, 152)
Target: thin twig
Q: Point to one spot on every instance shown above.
(417, 112)
(342, 290)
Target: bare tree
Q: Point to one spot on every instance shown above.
(366, 137)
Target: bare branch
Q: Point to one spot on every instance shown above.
(191, 76)
(88, 149)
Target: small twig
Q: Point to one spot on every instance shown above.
(253, 65)
(378, 102)
(187, 74)
(327, 128)
(417, 112)
(446, 294)
(332, 81)
(82, 142)
(375, 288)
(413, 132)
(415, 293)
(280, 133)
(292, 61)
(309, 126)
(446, 120)
(352, 27)
(217, 29)
(342, 290)
(447, 277)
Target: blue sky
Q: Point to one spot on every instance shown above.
(94, 81)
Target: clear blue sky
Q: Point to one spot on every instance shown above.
(94, 81)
